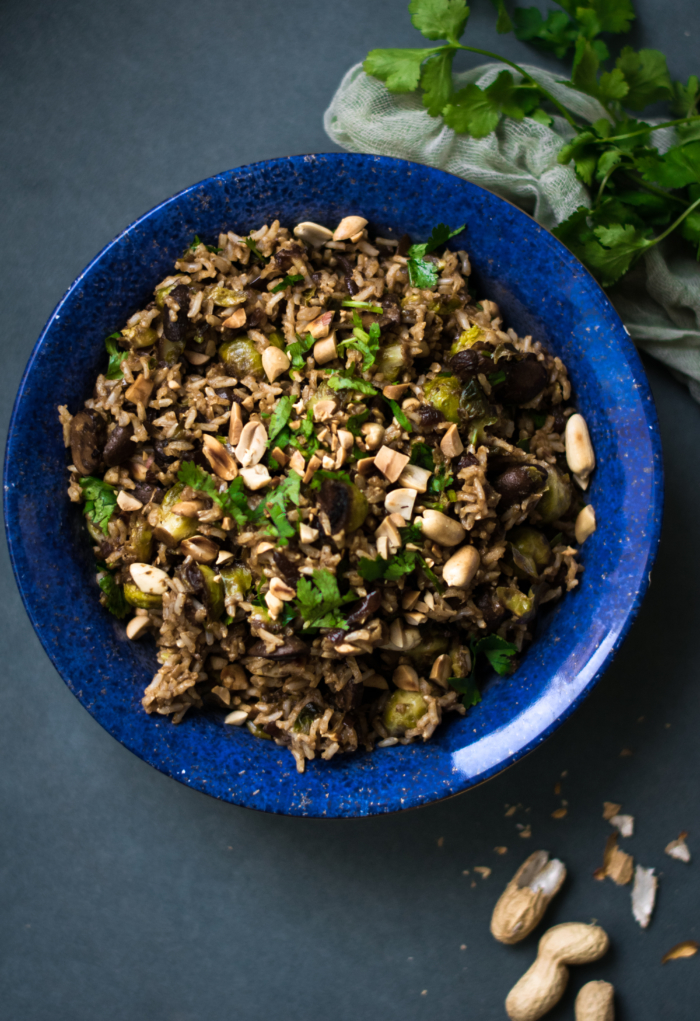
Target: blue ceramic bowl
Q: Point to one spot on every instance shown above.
(541, 289)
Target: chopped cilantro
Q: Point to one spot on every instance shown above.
(100, 501)
(366, 343)
(345, 381)
(291, 278)
(420, 272)
(296, 351)
(256, 251)
(319, 600)
(355, 422)
(366, 305)
(116, 357)
(499, 654)
(210, 248)
(422, 455)
(399, 415)
(280, 417)
(321, 474)
(388, 570)
(114, 593)
(233, 501)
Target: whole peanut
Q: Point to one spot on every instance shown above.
(595, 1002)
(543, 984)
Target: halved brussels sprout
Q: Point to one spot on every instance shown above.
(466, 340)
(530, 550)
(140, 543)
(237, 580)
(345, 504)
(140, 336)
(227, 298)
(173, 528)
(443, 393)
(391, 360)
(431, 646)
(144, 600)
(515, 600)
(213, 592)
(241, 357)
(302, 724)
(403, 710)
(557, 496)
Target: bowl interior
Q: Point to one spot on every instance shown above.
(541, 289)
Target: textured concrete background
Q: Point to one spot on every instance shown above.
(126, 897)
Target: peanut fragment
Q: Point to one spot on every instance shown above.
(222, 464)
(200, 548)
(451, 445)
(585, 523)
(325, 350)
(406, 678)
(313, 233)
(348, 227)
(390, 463)
(252, 444)
(235, 425)
(275, 362)
(373, 433)
(400, 501)
(139, 391)
(149, 579)
(441, 528)
(283, 591)
(442, 669)
(256, 477)
(579, 449)
(323, 410)
(127, 502)
(416, 478)
(137, 626)
(236, 319)
(525, 899)
(460, 569)
(320, 327)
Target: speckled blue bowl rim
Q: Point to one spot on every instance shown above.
(541, 288)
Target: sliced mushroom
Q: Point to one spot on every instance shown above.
(86, 440)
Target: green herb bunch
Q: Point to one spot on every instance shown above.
(638, 195)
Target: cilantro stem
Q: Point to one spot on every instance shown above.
(676, 223)
(540, 88)
(604, 182)
(653, 188)
(652, 127)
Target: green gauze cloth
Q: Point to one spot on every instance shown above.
(658, 301)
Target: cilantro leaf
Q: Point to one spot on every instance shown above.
(422, 455)
(675, 169)
(288, 491)
(647, 76)
(439, 19)
(439, 236)
(388, 570)
(436, 82)
(280, 417)
(355, 422)
(467, 687)
(100, 501)
(400, 70)
(504, 24)
(116, 357)
(343, 381)
(296, 351)
(422, 274)
(319, 600)
(256, 251)
(233, 501)
(366, 343)
(685, 97)
(114, 599)
(557, 34)
(615, 250)
(425, 274)
(497, 651)
(291, 278)
(399, 415)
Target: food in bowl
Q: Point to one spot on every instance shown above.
(330, 483)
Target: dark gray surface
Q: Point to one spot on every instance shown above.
(126, 897)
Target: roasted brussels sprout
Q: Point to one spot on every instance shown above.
(443, 393)
(516, 601)
(308, 714)
(237, 580)
(227, 298)
(241, 357)
(466, 340)
(173, 528)
(139, 336)
(345, 505)
(557, 496)
(530, 551)
(391, 361)
(140, 542)
(432, 645)
(144, 600)
(403, 710)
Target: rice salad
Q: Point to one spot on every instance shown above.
(331, 482)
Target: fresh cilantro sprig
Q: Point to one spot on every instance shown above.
(639, 196)
(366, 343)
(100, 501)
(422, 273)
(233, 500)
(400, 564)
(319, 600)
(279, 419)
(498, 652)
(399, 415)
(116, 357)
(114, 594)
(288, 281)
(210, 248)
